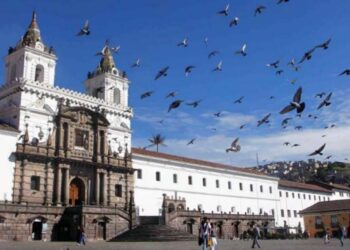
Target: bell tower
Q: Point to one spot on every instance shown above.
(107, 82)
(30, 59)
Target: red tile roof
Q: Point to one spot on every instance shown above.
(300, 185)
(150, 153)
(8, 127)
(327, 206)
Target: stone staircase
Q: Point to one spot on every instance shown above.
(150, 230)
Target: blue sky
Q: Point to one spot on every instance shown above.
(150, 30)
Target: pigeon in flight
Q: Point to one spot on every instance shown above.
(224, 11)
(318, 151)
(183, 43)
(146, 94)
(345, 72)
(291, 63)
(295, 104)
(136, 64)
(328, 157)
(298, 127)
(235, 147)
(206, 41)
(273, 64)
(218, 114)
(213, 53)
(115, 49)
(324, 45)
(194, 104)
(188, 69)
(326, 101)
(162, 72)
(293, 81)
(265, 119)
(286, 143)
(218, 67)
(242, 51)
(239, 100)
(307, 55)
(85, 30)
(191, 141)
(259, 10)
(282, 1)
(242, 126)
(174, 105)
(279, 72)
(320, 95)
(234, 22)
(171, 94)
(285, 121)
(295, 145)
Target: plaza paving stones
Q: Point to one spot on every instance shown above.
(312, 244)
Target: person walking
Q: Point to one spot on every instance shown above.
(256, 236)
(326, 237)
(82, 237)
(204, 231)
(341, 235)
(213, 239)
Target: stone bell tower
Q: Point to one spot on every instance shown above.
(30, 59)
(107, 82)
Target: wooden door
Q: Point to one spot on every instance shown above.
(73, 194)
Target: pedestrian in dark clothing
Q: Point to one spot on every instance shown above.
(256, 236)
(341, 235)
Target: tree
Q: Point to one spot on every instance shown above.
(157, 140)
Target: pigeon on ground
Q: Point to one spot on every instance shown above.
(345, 72)
(324, 45)
(188, 69)
(273, 64)
(174, 105)
(242, 51)
(265, 119)
(235, 147)
(239, 100)
(194, 104)
(218, 67)
(224, 11)
(213, 53)
(191, 141)
(162, 72)
(183, 43)
(259, 10)
(234, 22)
(307, 55)
(326, 101)
(318, 151)
(295, 104)
(146, 94)
(85, 30)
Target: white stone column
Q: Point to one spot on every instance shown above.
(66, 195)
(59, 185)
(97, 187)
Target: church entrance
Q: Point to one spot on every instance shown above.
(101, 230)
(76, 192)
(37, 229)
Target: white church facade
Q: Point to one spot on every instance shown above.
(32, 114)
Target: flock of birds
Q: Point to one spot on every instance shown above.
(296, 104)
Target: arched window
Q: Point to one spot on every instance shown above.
(116, 96)
(39, 73)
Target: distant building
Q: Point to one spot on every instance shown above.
(327, 216)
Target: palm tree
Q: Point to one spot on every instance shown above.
(157, 140)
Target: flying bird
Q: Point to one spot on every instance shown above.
(218, 114)
(324, 45)
(206, 41)
(162, 72)
(318, 151)
(345, 72)
(224, 11)
(239, 100)
(242, 51)
(259, 10)
(234, 22)
(191, 141)
(242, 126)
(174, 105)
(171, 94)
(295, 104)
(235, 147)
(183, 43)
(295, 145)
(320, 95)
(298, 127)
(218, 67)
(85, 30)
(282, 1)
(279, 72)
(307, 55)
(326, 101)
(136, 64)
(285, 121)
(115, 49)
(188, 69)
(213, 53)
(265, 119)
(286, 143)
(194, 104)
(273, 64)
(328, 157)
(146, 94)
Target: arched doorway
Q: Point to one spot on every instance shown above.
(39, 227)
(76, 192)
